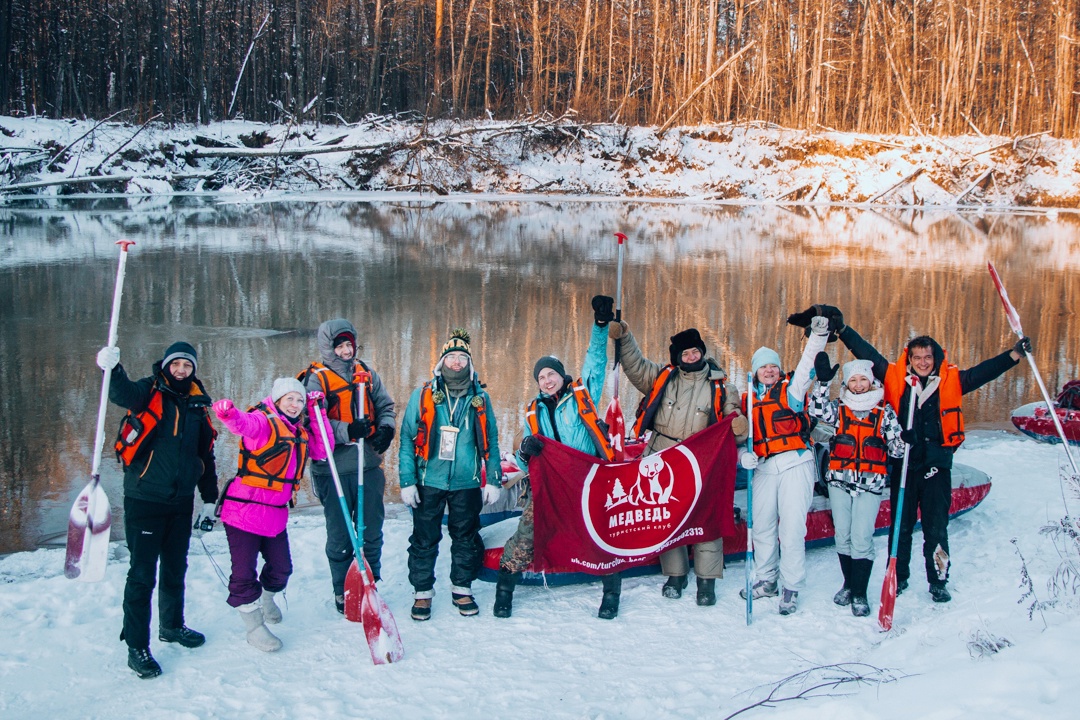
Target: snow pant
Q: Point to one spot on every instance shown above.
(929, 492)
(854, 519)
(244, 548)
(339, 549)
(518, 550)
(781, 501)
(155, 531)
(463, 525)
(708, 560)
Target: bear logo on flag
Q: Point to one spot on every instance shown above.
(635, 508)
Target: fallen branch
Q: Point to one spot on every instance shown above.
(848, 673)
(243, 65)
(90, 179)
(71, 144)
(704, 83)
(903, 181)
(142, 127)
(978, 181)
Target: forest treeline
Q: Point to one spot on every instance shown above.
(923, 66)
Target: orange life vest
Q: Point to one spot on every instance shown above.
(342, 400)
(858, 443)
(268, 467)
(646, 411)
(422, 441)
(137, 428)
(587, 412)
(778, 428)
(950, 397)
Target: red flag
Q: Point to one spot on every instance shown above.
(599, 518)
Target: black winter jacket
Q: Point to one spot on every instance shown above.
(928, 449)
(180, 454)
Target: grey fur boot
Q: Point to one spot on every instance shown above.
(271, 612)
(257, 633)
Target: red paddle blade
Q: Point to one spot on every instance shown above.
(89, 526)
(616, 428)
(888, 597)
(1010, 311)
(364, 605)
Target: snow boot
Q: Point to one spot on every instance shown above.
(421, 607)
(706, 591)
(762, 589)
(258, 636)
(901, 586)
(789, 602)
(271, 612)
(143, 663)
(674, 586)
(609, 604)
(339, 604)
(843, 596)
(940, 593)
(860, 578)
(504, 593)
(183, 635)
(463, 601)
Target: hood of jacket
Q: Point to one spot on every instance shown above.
(325, 341)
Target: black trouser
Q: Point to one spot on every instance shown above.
(339, 549)
(929, 491)
(463, 525)
(155, 531)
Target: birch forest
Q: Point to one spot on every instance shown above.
(906, 66)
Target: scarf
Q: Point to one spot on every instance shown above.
(863, 402)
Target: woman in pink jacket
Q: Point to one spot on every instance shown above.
(275, 444)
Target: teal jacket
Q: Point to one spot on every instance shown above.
(463, 472)
(572, 430)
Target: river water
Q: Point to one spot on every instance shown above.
(248, 284)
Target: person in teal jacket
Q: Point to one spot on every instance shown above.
(449, 441)
(565, 412)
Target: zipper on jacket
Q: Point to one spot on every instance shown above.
(147, 467)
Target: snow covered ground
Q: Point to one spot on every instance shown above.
(660, 658)
(721, 163)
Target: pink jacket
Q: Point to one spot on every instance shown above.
(263, 511)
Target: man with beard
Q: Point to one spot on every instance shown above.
(166, 444)
(681, 398)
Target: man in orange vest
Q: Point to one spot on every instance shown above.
(936, 432)
(682, 397)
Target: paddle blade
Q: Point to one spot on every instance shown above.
(888, 597)
(364, 605)
(1010, 311)
(89, 526)
(616, 428)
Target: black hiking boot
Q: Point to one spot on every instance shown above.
(143, 663)
(609, 604)
(183, 635)
(860, 580)
(674, 586)
(901, 586)
(339, 603)
(706, 591)
(504, 594)
(940, 593)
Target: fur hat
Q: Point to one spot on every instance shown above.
(764, 356)
(181, 351)
(548, 361)
(459, 342)
(859, 367)
(684, 341)
(285, 385)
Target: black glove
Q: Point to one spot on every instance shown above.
(602, 310)
(836, 318)
(382, 438)
(802, 319)
(908, 436)
(1022, 346)
(359, 429)
(825, 372)
(531, 446)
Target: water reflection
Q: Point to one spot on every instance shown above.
(248, 284)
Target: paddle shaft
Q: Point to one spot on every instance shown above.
(618, 305)
(750, 502)
(320, 421)
(106, 376)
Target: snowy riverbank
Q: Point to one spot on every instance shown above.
(723, 163)
(658, 659)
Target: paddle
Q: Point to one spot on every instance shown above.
(1014, 323)
(750, 503)
(91, 516)
(613, 416)
(888, 588)
(380, 629)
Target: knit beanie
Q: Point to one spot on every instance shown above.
(459, 342)
(342, 338)
(684, 341)
(764, 356)
(285, 385)
(181, 351)
(859, 367)
(548, 361)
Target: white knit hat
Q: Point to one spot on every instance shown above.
(285, 385)
(859, 367)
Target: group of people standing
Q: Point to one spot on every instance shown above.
(338, 412)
